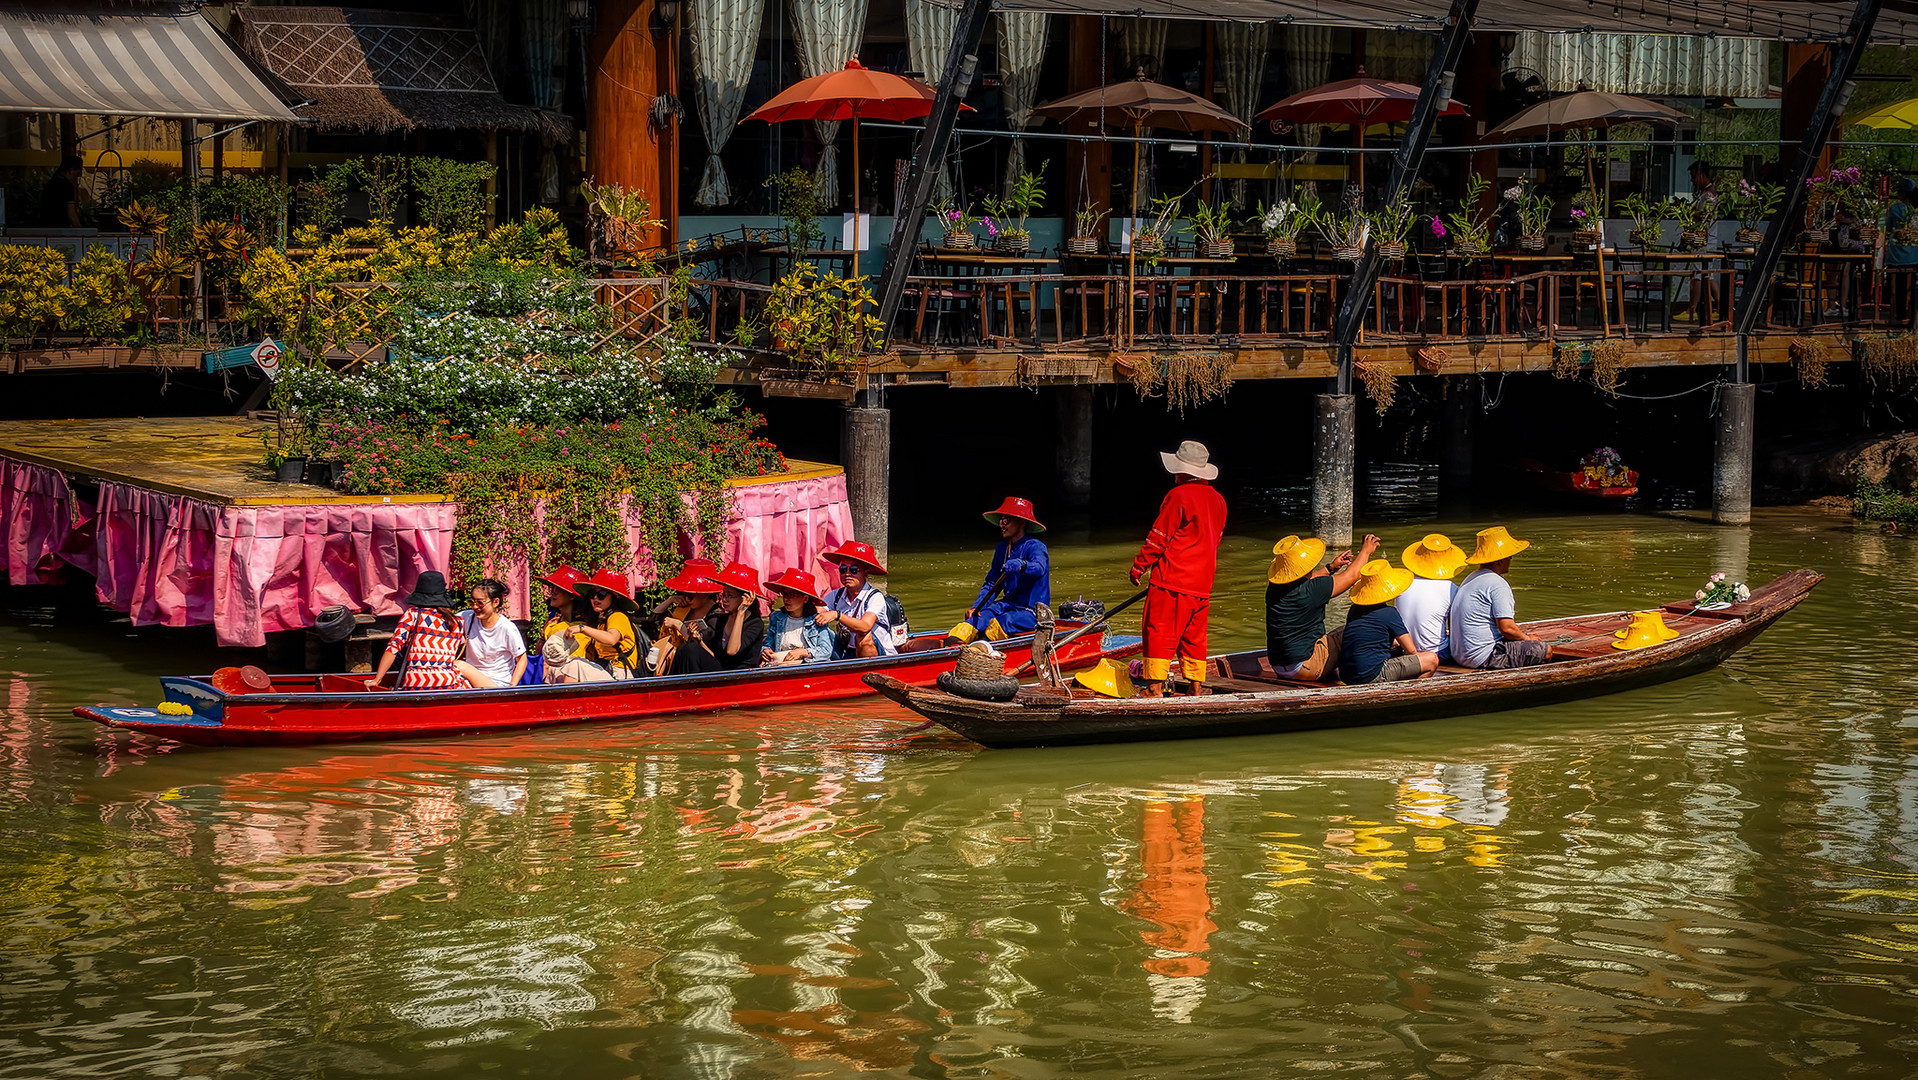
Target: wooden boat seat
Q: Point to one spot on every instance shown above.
(929, 643)
(341, 684)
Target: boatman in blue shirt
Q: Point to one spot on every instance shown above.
(1019, 579)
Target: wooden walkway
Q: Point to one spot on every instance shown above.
(215, 459)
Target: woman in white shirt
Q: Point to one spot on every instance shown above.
(495, 651)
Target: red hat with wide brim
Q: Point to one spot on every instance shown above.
(854, 551)
(739, 576)
(695, 577)
(792, 580)
(562, 577)
(1016, 508)
(614, 583)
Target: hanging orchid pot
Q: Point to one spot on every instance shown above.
(1215, 249)
(1866, 233)
(1645, 237)
(1392, 250)
(1532, 243)
(1749, 236)
(1691, 240)
(1585, 238)
(1082, 245)
(1468, 249)
(1817, 236)
(1146, 243)
(1905, 235)
(1012, 243)
(959, 240)
(1349, 253)
(1282, 247)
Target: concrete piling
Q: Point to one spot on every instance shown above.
(1073, 457)
(867, 452)
(1335, 419)
(1732, 465)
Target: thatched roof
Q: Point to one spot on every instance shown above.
(370, 70)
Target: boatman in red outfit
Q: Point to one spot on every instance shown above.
(1181, 553)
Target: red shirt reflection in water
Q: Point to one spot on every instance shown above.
(436, 638)
(1173, 892)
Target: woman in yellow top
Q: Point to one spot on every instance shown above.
(555, 645)
(611, 648)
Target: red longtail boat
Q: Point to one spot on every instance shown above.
(212, 710)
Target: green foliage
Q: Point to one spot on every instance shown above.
(253, 201)
(104, 294)
(1471, 226)
(797, 194)
(1212, 224)
(1876, 501)
(822, 320)
(452, 194)
(322, 200)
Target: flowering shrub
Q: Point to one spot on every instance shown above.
(104, 299)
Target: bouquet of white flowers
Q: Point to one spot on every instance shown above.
(1719, 592)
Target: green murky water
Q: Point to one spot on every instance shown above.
(1717, 877)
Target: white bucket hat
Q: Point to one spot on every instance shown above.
(1192, 458)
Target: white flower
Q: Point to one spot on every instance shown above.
(1515, 192)
(1699, 595)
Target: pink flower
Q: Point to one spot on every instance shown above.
(1438, 229)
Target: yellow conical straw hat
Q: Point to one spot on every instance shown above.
(1647, 628)
(1379, 582)
(1434, 557)
(1293, 558)
(1106, 678)
(1495, 544)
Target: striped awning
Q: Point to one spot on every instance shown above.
(127, 60)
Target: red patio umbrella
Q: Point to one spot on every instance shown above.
(854, 93)
(1358, 102)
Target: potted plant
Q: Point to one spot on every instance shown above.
(1825, 196)
(821, 319)
(1392, 224)
(1533, 210)
(1648, 217)
(1695, 221)
(798, 194)
(1282, 222)
(1471, 229)
(1213, 227)
(1085, 230)
(1870, 198)
(1150, 238)
(1752, 205)
(618, 218)
(1027, 194)
(957, 222)
(1588, 218)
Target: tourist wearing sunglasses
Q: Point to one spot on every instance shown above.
(855, 606)
(612, 647)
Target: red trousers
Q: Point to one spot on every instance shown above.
(1175, 629)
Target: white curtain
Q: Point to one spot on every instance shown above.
(1398, 55)
(929, 30)
(1022, 50)
(1308, 63)
(1647, 64)
(827, 34)
(724, 37)
(1142, 45)
(1243, 48)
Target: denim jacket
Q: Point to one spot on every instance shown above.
(815, 638)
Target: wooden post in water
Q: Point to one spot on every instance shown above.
(867, 452)
(1335, 421)
(1732, 458)
(1073, 460)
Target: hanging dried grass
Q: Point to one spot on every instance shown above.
(1808, 359)
(1566, 358)
(1192, 379)
(1892, 361)
(1380, 385)
(1608, 363)
(1145, 373)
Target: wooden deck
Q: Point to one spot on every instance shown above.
(215, 459)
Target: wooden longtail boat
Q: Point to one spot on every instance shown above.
(338, 708)
(1248, 699)
(1577, 482)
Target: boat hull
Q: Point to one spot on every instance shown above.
(1709, 640)
(295, 710)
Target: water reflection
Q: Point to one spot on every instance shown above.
(1718, 876)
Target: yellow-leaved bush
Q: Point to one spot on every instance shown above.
(33, 290)
(104, 297)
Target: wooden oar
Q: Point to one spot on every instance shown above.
(1069, 638)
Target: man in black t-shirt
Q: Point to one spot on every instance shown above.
(60, 199)
(1297, 592)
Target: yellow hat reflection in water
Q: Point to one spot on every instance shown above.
(1106, 678)
(1647, 628)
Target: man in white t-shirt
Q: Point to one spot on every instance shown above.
(1426, 606)
(856, 606)
(1483, 625)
